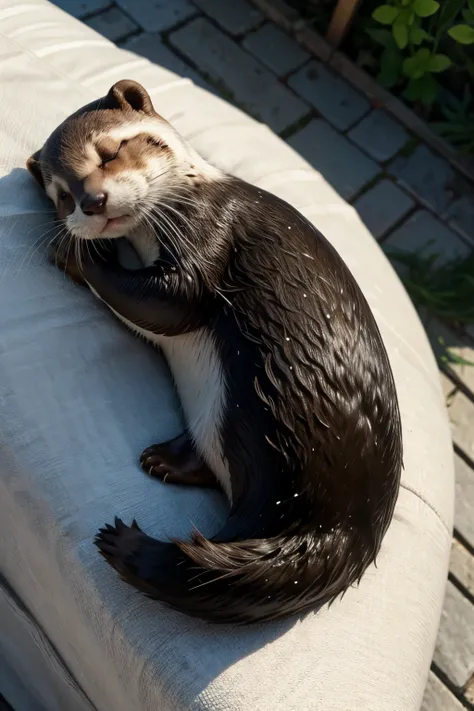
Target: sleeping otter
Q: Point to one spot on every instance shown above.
(284, 380)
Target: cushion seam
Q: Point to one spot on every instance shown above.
(429, 505)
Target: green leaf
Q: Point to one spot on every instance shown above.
(470, 67)
(425, 8)
(383, 37)
(406, 16)
(386, 14)
(448, 12)
(439, 63)
(462, 34)
(429, 90)
(400, 35)
(406, 2)
(415, 67)
(424, 90)
(468, 16)
(413, 90)
(390, 67)
(419, 35)
(455, 358)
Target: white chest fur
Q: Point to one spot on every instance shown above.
(197, 371)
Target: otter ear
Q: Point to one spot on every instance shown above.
(128, 94)
(34, 167)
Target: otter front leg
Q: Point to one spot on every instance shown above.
(177, 462)
(156, 300)
(63, 257)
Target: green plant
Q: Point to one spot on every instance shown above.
(449, 356)
(410, 50)
(458, 128)
(464, 33)
(427, 56)
(445, 290)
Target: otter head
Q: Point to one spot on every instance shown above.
(108, 164)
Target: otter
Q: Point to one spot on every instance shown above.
(285, 383)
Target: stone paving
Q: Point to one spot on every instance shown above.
(405, 193)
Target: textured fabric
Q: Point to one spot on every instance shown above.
(80, 397)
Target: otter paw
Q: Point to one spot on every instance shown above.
(117, 543)
(161, 462)
(154, 464)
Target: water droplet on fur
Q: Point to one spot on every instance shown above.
(312, 449)
(291, 367)
(296, 582)
(278, 503)
(289, 227)
(237, 405)
(342, 291)
(238, 352)
(295, 496)
(328, 315)
(305, 296)
(256, 202)
(287, 338)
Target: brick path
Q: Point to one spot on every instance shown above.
(403, 191)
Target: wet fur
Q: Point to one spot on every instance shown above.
(308, 427)
(310, 430)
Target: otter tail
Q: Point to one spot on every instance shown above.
(242, 581)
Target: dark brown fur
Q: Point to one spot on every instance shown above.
(311, 430)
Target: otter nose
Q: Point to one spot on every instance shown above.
(93, 203)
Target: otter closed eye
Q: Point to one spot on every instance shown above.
(285, 384)
(110, 158)
(154, 142)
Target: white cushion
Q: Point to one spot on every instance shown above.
(80, 398)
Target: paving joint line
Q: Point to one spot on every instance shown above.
(463, 541)
(459, 586)
(362, 81)
(94, 13)
(399, 221)
(128, 36)
(238, 35)
(470, 463)
(298, 125)
(456, 692)
(458, 382)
